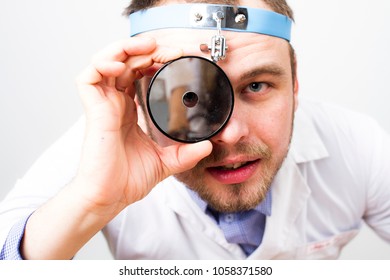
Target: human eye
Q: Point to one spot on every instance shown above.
(257, 88)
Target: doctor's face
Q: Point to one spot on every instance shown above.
(249, 150)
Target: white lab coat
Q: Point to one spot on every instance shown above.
(335, 176)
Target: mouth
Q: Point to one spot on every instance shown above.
(232, 166)
(234, 173)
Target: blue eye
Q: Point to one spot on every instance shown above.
(256, 87)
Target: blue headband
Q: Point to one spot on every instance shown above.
(240, 19)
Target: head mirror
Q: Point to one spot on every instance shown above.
(190, 99)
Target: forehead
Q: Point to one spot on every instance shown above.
(242, 47)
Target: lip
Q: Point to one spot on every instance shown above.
(234, 176)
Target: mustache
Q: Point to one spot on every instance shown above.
(219, 153)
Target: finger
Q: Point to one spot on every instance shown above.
(121, 50)
(185, 156)
(138, 65)
(96, 72)
(96, 82)
(160, 55)
(116, 52)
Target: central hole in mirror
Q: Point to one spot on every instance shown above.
(190, 99)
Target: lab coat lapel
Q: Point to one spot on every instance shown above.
(178, 199)
(289, 197)
(290, 192)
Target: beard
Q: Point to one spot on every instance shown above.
(234, 197)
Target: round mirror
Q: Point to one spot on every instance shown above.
(190, 99)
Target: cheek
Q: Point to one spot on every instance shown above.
(274, 124)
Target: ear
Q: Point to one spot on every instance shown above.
(295, 84)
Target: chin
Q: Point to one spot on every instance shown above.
(237, 197)
(229, 198)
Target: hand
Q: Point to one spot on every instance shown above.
(120, 164)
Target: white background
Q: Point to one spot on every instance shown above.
(343, 56)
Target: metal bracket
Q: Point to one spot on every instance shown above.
(218, 46)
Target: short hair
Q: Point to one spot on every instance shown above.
(278, 6)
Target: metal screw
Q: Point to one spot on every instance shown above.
(240, 18)
(219, 15)
(198, 16)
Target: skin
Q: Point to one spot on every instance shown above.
(264, 139)
(120, 163)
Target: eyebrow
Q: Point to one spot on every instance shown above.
(271, 69)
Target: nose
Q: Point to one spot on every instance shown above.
(235, 130)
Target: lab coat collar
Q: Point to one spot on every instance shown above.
(290, 194)
(306, 144)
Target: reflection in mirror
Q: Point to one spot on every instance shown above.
(190, 99)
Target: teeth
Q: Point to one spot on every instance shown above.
(234, 165)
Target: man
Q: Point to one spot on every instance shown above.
(280, 180)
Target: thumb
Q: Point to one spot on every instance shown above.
(187, 156)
